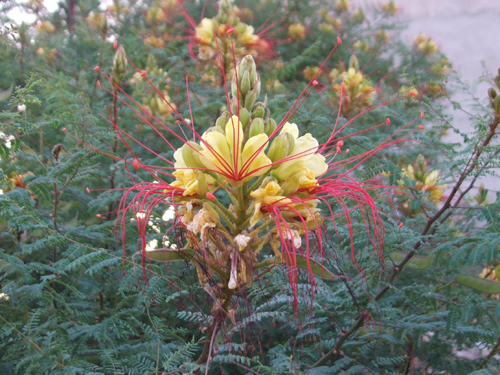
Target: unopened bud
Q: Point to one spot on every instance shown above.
(497, 104)
(252, 95)
(223, 119)
(291, 142)
(354, 62)
(245, 83)
(269, 126)
(492, 93)
(244, 117)
(258, 110)
(279, 148)
(216, 128)
(190, 156)
(119, 65)
(256, 127)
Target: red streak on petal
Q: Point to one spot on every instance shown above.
(210, 196)
(136, 164)
(97, 68)
(339, 41)
(230, 30)
(388, 121)
(98, 215)
(143, 73)
(115, 44)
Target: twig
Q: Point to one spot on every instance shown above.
(495, 349)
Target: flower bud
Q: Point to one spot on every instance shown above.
(244, 117)
(119, 65)
(256, 127)
(497, 104)
(269, 126)
(354, 62)
(245, 83)
(279, 148)
(243, 66)
(291, 142)
(216, 128)
(190, 156)
(492, 93)
(252, 95)
(223, 119)
(258, 110)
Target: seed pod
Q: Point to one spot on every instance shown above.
(269, 126)
(190, 156)
(256, 127)
(279, 148)
(223, 119)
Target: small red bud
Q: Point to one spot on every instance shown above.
(115, 44)
(143, 73)
(98, 215)
(64, 129)
(210, 196)
(388, 121)
(97, 68)
(400, 225)
(339, 41)
(421, 114)
(136, 164)
(88, 190)
(229, 31)
(315, 83)
(412, 93)
(421, 127)
(98, 83)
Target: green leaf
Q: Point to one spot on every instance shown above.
(415, 263)
(479, 284)
(168, 255)
(302, 262)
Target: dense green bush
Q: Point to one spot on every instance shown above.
(75, 297)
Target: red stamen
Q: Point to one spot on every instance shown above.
(98, 83)
(64, 129)
(229, 31)
(315, 83)
(340, 143)
(88, 190)
(210, 196)
(115, 44)
(347, 151)
(136, 164)
(412, 93)
(421, 127)
(143, 73)
(400, 225)
(339, 41)
(97, 68)
(388, 121)
(98, 215)
(421, 114)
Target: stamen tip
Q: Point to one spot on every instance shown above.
(315, 83)
(97, 68)
(115, 44)
(98, 216)
(339, 41)
(400, 225)
(63, 129)
(143, 73)
(229, 31)
(388, 121)
(340, 143)
(98, 83)
(421, 114)
(88, 190)
(210, 196)
(421, 127)
(136, 164)
(412, 93)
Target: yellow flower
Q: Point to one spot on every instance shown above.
(192, 181)
(225, 154)
(269, 193)
(205, 31)
(303, 155)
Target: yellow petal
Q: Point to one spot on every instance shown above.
(217, 157)
(234, 134)
(292, 129)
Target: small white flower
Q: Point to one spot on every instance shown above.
(242, 241)
(21, 108)
(4, 297)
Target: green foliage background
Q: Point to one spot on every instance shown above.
(77, 306)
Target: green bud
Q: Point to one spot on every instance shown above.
(223, 119)
(217, 128)
(245, 83)
(269, 126)
(252, 95)
(244, 117)
(190, 156)
(256, 127)
(492, 93)
(497, 104)
(258, 110)
(119, 65)
(253, 72)
(243, 66)
(354, 62)
(279, 148)
(291, 141)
